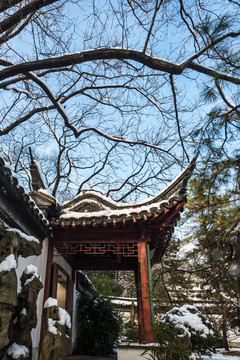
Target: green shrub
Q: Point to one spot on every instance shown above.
(170, 344)
(106, 285)
(100, 326)
(184, 333)
(130, 331)
(203, 335)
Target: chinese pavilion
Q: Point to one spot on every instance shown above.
(93, 232)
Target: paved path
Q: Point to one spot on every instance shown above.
(87, 357)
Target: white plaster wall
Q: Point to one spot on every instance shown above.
(40, 262)
(133, 351)
(58, 259)
(74, 317)
(234, 340)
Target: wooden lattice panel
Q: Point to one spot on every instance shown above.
(124, 249)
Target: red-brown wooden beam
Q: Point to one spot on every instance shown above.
(167, 218)
(103, 235)
(105, 264)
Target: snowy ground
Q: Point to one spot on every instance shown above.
(220, 356)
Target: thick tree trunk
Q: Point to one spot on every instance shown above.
(224, 329)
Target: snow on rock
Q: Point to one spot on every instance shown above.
(23, 312)
(50, 302)
(51, 326)
(64, 318)
(8, 264)
(15, 351)
(31, 270)
(23, 235)
(187, 316)
(15, 320)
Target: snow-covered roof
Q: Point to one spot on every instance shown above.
(93, 208)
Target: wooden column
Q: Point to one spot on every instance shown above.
(144, 291)
(139, 307)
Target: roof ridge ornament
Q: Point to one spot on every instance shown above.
(37, 182)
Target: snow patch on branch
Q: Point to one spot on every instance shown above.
(18, 90)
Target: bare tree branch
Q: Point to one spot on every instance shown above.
(96, 172)
(23, 12)
(152, 62)
(220, 90)
(10, 34)
(6, 4)
(185, 64)
(173, 87)
(157, 7)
